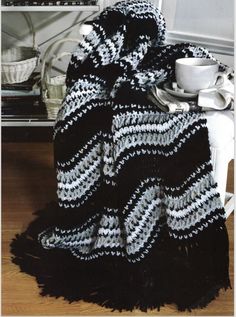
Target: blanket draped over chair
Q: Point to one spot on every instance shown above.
(138, 222)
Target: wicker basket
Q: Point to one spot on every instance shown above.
(53, 88)
(19, 62)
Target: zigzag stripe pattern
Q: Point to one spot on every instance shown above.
(138, 169)
(142, 214)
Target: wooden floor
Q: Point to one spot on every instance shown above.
(29, 183)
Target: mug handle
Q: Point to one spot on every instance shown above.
(220, 78)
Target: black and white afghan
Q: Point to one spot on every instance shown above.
(139, 222)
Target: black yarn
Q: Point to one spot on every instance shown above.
(138, 222)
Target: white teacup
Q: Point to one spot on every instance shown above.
(194, 74)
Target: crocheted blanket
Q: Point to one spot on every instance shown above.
(138, 222)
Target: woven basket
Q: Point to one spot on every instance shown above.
(53, 88)
(19, 62)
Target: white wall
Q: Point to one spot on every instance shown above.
(207, 17)
(209, 23)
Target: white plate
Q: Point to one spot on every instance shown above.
(168, 88)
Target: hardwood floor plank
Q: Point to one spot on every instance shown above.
(29, 182)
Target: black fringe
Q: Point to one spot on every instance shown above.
(187, 273)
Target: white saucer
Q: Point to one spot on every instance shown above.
(187, 95)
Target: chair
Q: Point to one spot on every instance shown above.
(221, 137)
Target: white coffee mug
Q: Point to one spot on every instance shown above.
(194, 74)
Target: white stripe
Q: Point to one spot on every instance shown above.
(152, 138)
(135, 153)
(196, 189)
(191, 220)
(135, 228)
(81, 167)
(81, 177)
(189, 209)
(78, 190)
(145, 117)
